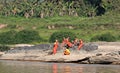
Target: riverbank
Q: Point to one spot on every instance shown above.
(91, 53)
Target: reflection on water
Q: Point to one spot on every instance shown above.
(54, 68)
(40, 67)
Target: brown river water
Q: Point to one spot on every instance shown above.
(42, 67)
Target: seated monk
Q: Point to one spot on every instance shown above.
(66, 52)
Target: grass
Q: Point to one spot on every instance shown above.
(85, 27)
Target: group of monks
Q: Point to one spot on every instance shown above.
(66, 43)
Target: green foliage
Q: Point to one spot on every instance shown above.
(27, 36)
(7, 37)
(95, 38)
(24, 36)
(111, 5)
(49, 8)
(60, 35)
(81, 15)
(4, 48)
(94, 2)
(108, 37)
(119, 37)
(82, 26)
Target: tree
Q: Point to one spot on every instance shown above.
(48, 8)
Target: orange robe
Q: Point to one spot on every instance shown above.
(80, 45)
(55, 47)
(66, 41)
(69, 44)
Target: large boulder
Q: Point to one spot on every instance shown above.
(109, 58)
(90, 47)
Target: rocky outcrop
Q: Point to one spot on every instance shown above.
(88, 54)
(90, 47)
(108, 58)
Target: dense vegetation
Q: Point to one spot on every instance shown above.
(49, 8)
(87, 19)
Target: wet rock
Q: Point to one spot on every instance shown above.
(108, 58)
(83, 60)
(113, 54)
(116, 63)
(90, 47)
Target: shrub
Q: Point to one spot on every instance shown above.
(4, 48)
(7, 37)
(24, 36)
(27, 36)
(108, 37)
(59, 36)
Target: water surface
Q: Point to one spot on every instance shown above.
(41, 67)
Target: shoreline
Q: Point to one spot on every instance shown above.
(114, 63)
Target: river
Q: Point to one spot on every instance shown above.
(42, 67)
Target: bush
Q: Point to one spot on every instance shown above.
(108, 37)
(7, 37)
(59, 36)
(27, 36)
(4, 48)
(24, 36)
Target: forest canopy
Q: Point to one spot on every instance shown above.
(49, 8)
